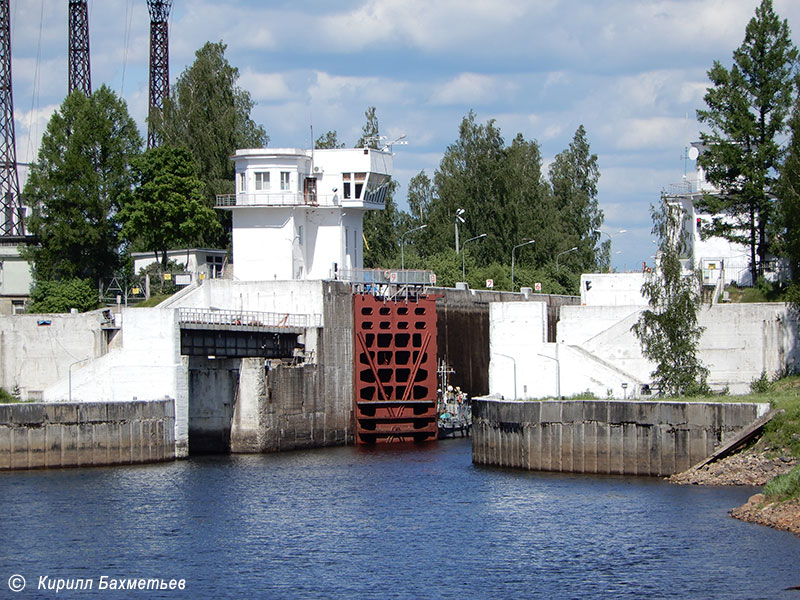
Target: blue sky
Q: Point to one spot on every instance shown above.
(632, 72)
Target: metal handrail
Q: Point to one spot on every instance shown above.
(248, 318)
(275, 199)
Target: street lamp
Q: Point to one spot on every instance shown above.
(610, 236)
(512, 259)
(458, 218)
(564, 252)
(463, 271)
(402, 244)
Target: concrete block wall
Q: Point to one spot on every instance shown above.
(597, 351)
(86, 434)
(603, 436)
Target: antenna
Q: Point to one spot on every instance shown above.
(159, 62)
(80, 75)
(11, 218)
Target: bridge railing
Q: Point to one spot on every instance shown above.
(237, 318)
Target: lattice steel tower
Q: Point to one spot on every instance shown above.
(11, 219)
(80, 74)
(159, 62)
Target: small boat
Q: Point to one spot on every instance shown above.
(453, 408)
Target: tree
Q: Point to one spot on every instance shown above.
(370, 132)
(668, 331)
(167, 209)
(788, 188)
(209, 114)
(61, 296)
(747, 110)
(380, 226)
(75, 186)
(328, 141)
(573, 177)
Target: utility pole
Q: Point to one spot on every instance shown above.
(159, 62)
(80, 73)
(11, 218)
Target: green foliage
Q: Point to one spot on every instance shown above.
(61, 296)
(573, 176)
(7, 398)
(74, 189)
(783, 431)
(668, 331)
(762, 385)
(167, 209)
(784, 487)
(747, 112)
(788, 190)
(208, 113)
(504, 194)
(328, 141)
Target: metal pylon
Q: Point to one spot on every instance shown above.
(11, 218)
(159, 62)
(80, 75)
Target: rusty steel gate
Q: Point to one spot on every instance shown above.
(395, 369)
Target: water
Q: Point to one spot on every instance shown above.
(389, 522)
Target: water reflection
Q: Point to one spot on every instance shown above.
(391, 522)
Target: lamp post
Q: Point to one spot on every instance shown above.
(403, 242)
(515, 370)
(512, 259)
(564, 252)
(610, 237)
(458, 218)
(463, 268)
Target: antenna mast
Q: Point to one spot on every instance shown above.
(80, 74)
(159, 62)
(11, 218)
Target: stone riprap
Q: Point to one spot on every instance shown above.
(603, 436)
(44, 435)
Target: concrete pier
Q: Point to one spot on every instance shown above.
(86, 434)
(603, 436)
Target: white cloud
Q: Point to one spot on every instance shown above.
(265, 86)
(469, 89)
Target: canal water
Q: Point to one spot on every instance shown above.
(386, 522)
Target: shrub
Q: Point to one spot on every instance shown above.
(785, 486)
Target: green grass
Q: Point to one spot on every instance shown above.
(784, 487)
(152, 301)
(7, 397)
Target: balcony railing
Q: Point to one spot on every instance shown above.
(275, 199)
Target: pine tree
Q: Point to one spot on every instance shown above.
(748, 107)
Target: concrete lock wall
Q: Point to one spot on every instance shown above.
(597, 351)
(464, 329)
(603, 436)
(86, 434)
(39, 350)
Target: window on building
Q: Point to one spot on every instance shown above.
(360, 179)
(300, 235)
(347, 240)
(17, 307)
(262, 181)
(346, 185)
(284, 181)
(242, 182)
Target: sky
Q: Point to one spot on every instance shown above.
(633, 72)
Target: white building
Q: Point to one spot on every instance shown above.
(15, 278)
(716, 257)
(204, 263)
(298, 214)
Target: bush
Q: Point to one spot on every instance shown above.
(784, 487)
(7, 397)
(61, 296)
(762, 385)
